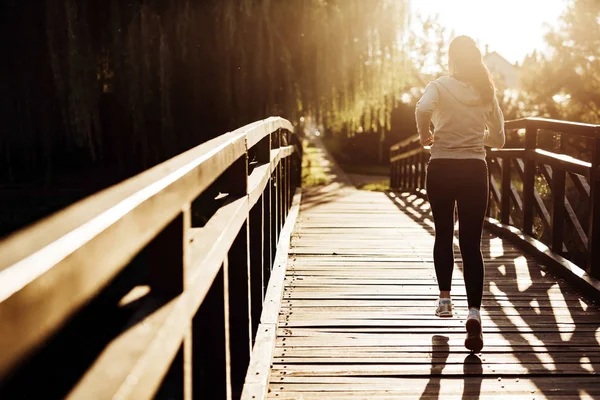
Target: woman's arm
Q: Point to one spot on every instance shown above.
(494, 136)
(423, 112)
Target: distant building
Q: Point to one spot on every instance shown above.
(500, 66)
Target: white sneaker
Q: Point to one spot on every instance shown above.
(443, 308)
(474, 340)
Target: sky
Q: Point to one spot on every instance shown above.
(513, 28)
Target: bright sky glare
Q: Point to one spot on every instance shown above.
(513, 28)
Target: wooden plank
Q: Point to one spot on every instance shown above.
(358, 306)
(256, 382)
(326, 370)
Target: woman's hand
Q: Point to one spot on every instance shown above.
(427, 141)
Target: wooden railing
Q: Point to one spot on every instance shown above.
(208, 222)
(534, 186)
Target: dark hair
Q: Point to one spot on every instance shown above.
(468, 66)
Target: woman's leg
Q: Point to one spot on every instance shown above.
(472, 200)
(440, 192)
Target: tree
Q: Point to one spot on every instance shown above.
(565, 84)
(121, 86)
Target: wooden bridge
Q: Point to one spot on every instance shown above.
(214, 276)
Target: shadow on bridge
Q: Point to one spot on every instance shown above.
(551, 328)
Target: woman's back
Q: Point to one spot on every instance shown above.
(460, 118)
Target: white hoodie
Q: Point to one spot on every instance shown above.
(460, 118)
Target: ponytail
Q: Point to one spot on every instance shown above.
(467, 63)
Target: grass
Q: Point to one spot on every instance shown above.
(313, 173)
(366, 169)
(382, 186)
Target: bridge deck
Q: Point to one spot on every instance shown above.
(357, 313)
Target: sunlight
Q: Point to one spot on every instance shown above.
(586, 364)
(495, 290)
(472, 17)
(502, 269)
(547, 360)
(583, 395)
(583, 305)
(558, 301)
(521, 266)
(535, 306)
(496, 248)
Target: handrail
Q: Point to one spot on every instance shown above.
(568, 127)
(408, 166)
(50, 270)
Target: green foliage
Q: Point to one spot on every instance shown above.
(313, 172)
(566, 83)
(129, 84)
(382, 186)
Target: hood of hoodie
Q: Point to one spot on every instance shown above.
(461, 91)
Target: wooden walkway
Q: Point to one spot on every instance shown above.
(357, 313)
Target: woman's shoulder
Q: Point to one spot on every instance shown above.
(443, 79)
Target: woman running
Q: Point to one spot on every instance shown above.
(460, 106)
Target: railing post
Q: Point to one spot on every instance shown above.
(267, 240)
(402, 174)
(423, 166)
(413, 172)
(529, 179)
(505, 194)
(209, 344)
(593, 259)
(392, 171)
(240, 315)
(558, 205)
(167, 268)
(238, 283)
(274, 185)
(257, 278)
(258, 230)
(398, 172)
(558, 209)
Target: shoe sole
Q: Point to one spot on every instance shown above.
(474, 340)
(444, 314)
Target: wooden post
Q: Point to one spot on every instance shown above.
(280, 198)
(594, 223)
(166, 257)
(529, 179)
(392, 171)
(397, 173)
(267, 237)
(401, 178)
(417, 165)
(558, 209)
(558, 205)
(258, 252)
(274, 184)
(209, 346)
(274, 213)
(406, 173)
(505, 194)
(412, 168)
(167, 268)
(257, 259)
(240, 320)
(238, 282)
(423, 166)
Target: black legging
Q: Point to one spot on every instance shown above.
(463, 182)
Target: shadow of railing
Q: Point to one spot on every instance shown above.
(545, 322)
